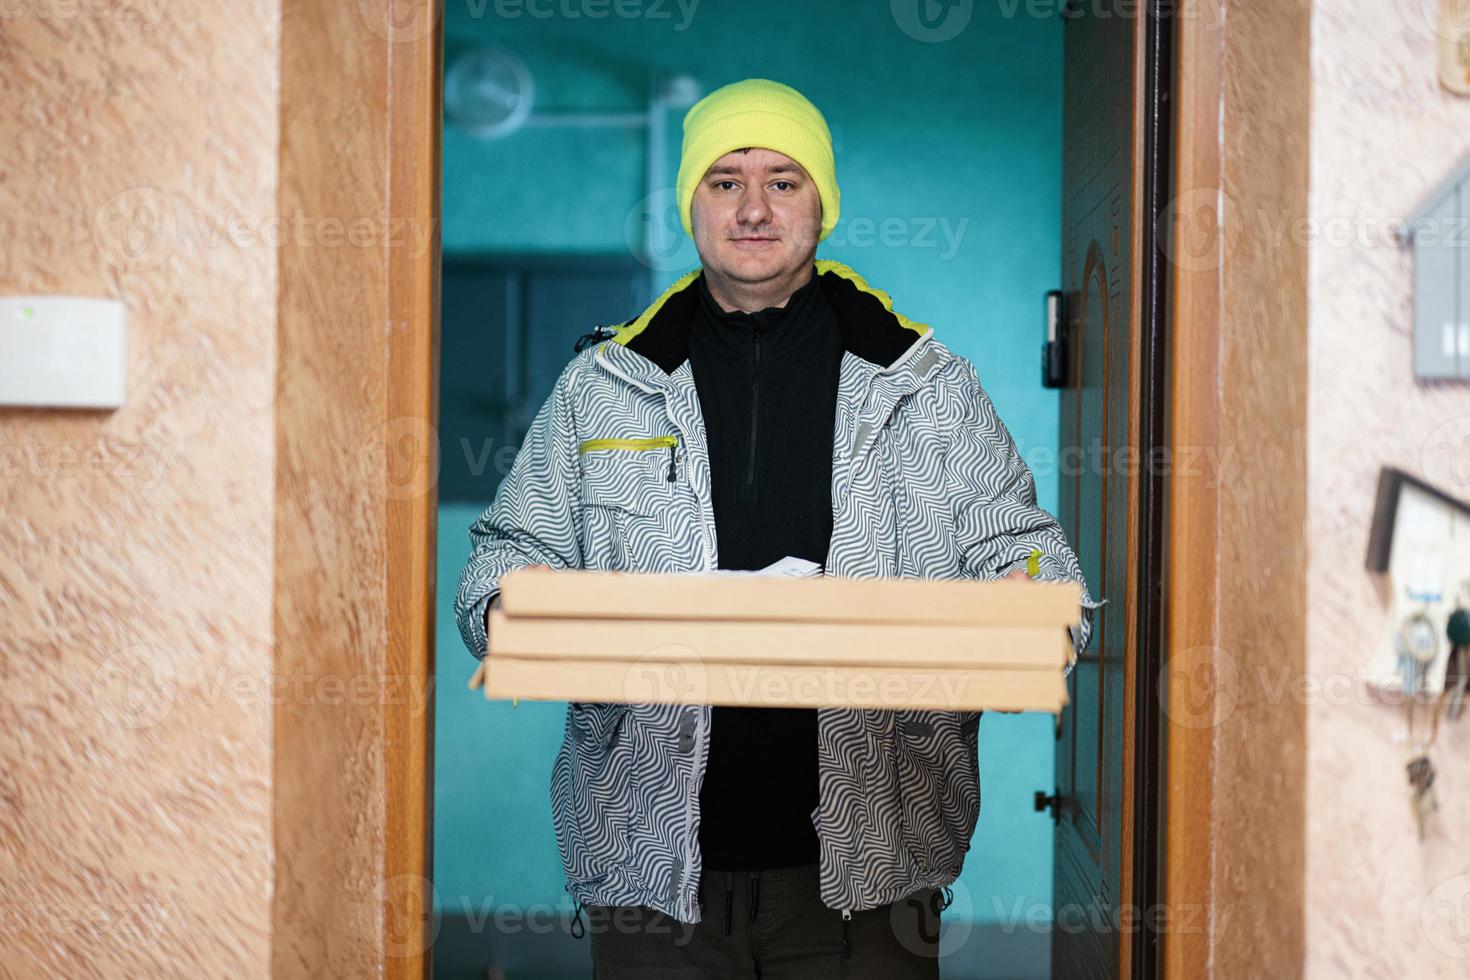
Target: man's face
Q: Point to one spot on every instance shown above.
(756, 216)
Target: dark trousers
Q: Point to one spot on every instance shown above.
(768, 924)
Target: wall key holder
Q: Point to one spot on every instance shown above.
(1420, 539)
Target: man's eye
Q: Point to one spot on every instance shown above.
(721, 183)
(786, 182)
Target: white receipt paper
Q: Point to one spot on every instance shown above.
(788, 567)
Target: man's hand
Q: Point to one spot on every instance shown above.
(494, 604)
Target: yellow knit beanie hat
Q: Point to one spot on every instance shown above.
(758, 112)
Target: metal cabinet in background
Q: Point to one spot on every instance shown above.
(1439, 233)
(509, 324)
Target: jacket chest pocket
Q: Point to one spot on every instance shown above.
(627, 497)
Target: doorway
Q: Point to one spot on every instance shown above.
(914, 232)
(353, 816)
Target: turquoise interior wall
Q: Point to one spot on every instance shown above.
(948, 155)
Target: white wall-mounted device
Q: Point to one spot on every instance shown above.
(62, 351)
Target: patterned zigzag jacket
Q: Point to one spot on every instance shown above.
(926, 483)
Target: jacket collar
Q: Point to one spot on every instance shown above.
(887, 356)
(871, 329)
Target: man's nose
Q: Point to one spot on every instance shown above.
(753, 208)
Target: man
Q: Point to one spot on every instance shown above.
(767, 404)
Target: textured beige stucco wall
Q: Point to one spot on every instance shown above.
(1380, 902)
(135, 545)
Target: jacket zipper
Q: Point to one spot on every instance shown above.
(655, 442)
(747, 492)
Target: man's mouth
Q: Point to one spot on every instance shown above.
(755, 241)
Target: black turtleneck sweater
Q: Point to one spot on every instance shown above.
(767, 384)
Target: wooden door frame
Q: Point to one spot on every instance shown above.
(1235, 796)
(356, 464)
(360, 116)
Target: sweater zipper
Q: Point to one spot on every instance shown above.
(748, 491)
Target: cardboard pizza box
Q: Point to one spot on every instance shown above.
(773, 685)
(631, 595)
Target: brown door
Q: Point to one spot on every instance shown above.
(1108, 420)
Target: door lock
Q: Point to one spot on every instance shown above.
(1052, 802)
(1054, 351)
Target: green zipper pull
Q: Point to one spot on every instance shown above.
(673, 473)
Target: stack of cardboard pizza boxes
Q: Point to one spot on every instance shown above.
(780, 641)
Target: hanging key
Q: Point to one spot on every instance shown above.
(1421, 781)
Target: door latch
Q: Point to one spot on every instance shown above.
(1054, 351)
